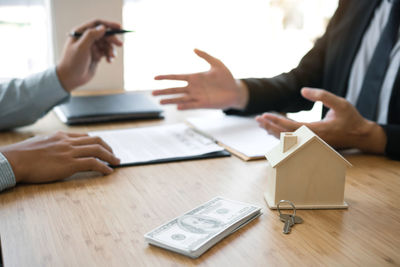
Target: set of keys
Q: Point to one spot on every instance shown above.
(289, 219)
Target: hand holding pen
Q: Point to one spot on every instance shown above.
(84, 49)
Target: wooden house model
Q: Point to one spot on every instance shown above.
(305, 170)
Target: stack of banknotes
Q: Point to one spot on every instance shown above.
(196, 231)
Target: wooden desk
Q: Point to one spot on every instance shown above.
(100, 221)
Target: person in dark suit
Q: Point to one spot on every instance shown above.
(356, 63)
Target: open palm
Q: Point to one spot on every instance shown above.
(215, 88)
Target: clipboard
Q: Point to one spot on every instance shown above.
(219, 154)
(228, 148)
(241, 136)
(159, 144)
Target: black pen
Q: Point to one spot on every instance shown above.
(108, 33)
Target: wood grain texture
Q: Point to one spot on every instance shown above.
(92, 220)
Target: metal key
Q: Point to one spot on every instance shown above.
(285, 217)
(288, 219)
(287, 227)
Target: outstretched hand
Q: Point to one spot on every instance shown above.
(81, 55)
(215, 88)
(45, 159)
(342, 127)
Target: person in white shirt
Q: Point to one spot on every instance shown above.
(23, 101)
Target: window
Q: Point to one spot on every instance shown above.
(254, 38)
(24, 48)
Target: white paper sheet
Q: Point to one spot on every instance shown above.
(239, 133)
(157, 142)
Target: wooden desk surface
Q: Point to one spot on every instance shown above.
(91, 220)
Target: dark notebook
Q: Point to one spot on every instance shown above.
(103, 108)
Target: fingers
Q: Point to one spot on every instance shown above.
(170, 91)
(80, 139)
(177, 100)
(174, 77)
(63, 135)
(94, 23)
(185, 77)
(91, 153)
(104, 46)
(108, 51)
(90, 36)
(190, 105)
(113, 39)
(271, 127)
(95, 151)
(283, 122)
(97, 53)
(90, 140)
(276, 124)
(328, 99)
(210, 59)
(76, 134)
(91, 164)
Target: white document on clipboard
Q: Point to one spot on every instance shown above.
(163, 143)
(239, 135)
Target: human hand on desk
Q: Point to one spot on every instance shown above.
(45, 159)
(215, 88)
(342, 127)
(81, 55)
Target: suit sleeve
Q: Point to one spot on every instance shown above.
(23, 101)
(282, 93)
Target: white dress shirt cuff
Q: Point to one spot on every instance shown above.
(7, 177)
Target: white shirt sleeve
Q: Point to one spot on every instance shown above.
(7, 177)
(23, 101)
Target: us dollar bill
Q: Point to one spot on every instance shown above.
(199, 229)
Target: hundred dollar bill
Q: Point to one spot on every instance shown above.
(199, 229)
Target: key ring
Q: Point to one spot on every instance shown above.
(291, 204)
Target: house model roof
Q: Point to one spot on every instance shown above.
(304, 136)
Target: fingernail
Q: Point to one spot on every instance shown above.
(99, 27)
